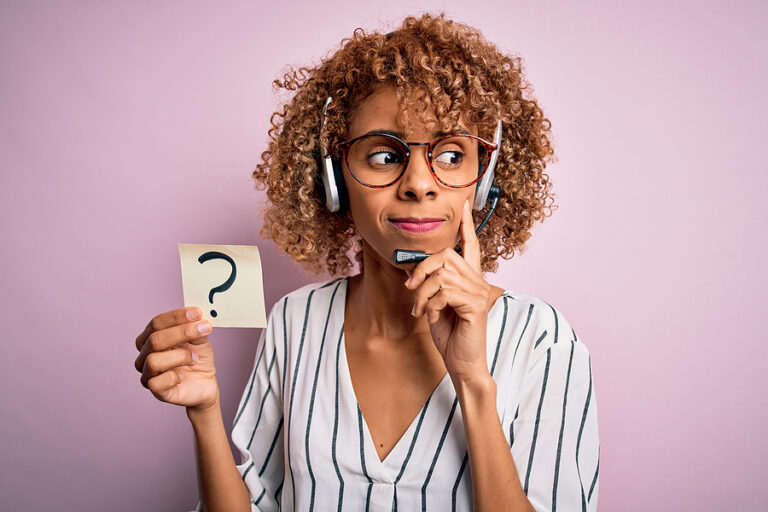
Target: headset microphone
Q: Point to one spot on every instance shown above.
(403, 256)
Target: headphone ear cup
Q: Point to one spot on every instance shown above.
(482, 189)
(343, 197)
(330, 174)
(336, 198)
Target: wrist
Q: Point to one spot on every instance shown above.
(204, 413)
(477, 388)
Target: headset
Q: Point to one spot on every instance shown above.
(337, 200)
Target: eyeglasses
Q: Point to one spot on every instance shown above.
(379, 159)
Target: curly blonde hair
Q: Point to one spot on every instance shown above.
(429, 55)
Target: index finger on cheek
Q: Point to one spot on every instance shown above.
(470, 245)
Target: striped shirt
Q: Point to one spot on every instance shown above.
(304, 443)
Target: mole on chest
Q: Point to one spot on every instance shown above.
(389, 407)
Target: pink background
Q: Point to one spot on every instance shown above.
(128, 127)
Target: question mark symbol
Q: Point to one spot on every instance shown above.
(215, 255)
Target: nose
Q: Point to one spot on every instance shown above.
(417, 182)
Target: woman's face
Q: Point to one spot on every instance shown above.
(415, 213)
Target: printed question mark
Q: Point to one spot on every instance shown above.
(215, 255)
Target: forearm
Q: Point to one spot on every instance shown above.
(220, 484)
(495, 482)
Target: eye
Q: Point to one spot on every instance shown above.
(451, 158)
(384, 158)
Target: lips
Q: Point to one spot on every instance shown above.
(416, 225)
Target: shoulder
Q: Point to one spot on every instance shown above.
(543, 314)
(298, 301)
(533, 327)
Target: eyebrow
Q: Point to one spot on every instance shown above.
(400, 135)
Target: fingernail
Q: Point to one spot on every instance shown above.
(413, 310)
(408, 281)
(204, 327)
(193, 314)
(194, 356)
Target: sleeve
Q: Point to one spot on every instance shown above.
(257, 430)
(554, 437)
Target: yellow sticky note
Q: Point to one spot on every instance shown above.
(225, 282)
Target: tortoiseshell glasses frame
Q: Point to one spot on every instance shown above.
(489, 147)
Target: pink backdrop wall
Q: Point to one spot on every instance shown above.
(128, 127)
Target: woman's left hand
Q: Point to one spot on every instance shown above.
(451, 291)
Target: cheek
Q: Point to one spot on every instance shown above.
(459, 205)
(364, 208)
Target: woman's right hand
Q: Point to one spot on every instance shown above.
(176, 359)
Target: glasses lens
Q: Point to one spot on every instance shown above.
(458, 160)
(376, 159)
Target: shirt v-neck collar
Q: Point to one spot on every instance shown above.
(392, 467)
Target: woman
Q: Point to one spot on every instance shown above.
(408, 386)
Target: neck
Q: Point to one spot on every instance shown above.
(378, 303)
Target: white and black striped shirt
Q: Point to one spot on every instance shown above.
(304, 444)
